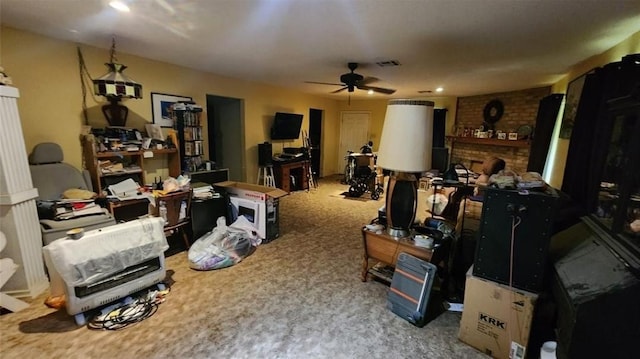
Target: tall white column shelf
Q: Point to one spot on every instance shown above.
(18, 213)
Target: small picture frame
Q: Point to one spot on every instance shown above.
(502, 135)
(513, 136)
(160, 105)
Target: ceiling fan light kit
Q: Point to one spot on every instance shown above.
(351, 81)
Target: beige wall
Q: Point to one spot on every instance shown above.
(46, 72)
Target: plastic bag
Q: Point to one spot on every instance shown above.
(224, 246)
(438, 202)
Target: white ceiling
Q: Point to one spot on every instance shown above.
(469, 47)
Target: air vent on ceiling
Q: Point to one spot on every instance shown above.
(388, 63)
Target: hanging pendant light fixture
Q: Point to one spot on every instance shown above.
(115, 85)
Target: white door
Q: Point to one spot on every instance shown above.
(354, 133)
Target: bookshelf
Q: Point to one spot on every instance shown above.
(188, 123)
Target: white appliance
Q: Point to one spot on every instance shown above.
(247, 208)
(106, 264)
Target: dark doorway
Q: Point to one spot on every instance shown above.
(315, 136)
(225, 134)
(439, 123)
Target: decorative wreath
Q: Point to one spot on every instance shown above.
(493, 111)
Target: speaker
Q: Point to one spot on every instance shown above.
(265, 155)
(513, 237)
(440, 159)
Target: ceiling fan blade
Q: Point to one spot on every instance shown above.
(368, 80)
(340, 90)
(377, 89)
(323, 83)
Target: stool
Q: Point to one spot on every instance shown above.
(266, 174)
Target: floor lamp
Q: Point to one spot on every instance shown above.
(405, 149)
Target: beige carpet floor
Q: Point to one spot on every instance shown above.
(299, 296)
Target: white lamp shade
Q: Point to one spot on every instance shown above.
(407, 136)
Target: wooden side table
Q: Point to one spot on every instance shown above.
(385, 248)
(299, 170)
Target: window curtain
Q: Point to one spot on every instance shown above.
(545, 120)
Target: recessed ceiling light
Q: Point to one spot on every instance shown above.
(439, 89)
(119, 5)
(370, 92)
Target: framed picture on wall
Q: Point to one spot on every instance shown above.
(160, 104)
(574, 92)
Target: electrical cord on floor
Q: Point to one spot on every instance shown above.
(514, 225)
(118, 317)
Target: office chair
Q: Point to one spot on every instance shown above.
(52, 177)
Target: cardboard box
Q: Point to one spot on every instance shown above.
(496, 318)
(259, 204)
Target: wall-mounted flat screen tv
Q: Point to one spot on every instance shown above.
(286, 126)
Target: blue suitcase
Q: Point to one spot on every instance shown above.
(410, 288)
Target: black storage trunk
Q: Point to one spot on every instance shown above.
(493, 258)
(410, 288)
(205, 214)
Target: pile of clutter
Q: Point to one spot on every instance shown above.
(508, 179)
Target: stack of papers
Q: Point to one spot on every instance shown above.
(115, 167)
(204, 192)
(126, 190)
(78, 209)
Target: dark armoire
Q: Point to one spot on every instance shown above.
(596, 272)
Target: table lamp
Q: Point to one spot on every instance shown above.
(405, 149)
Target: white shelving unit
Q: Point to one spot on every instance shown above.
(19, 219)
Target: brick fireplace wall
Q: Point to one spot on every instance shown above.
(520, 108)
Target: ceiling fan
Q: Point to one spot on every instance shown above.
(351, 81)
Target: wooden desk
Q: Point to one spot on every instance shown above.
(384, 248)
(298, 169)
